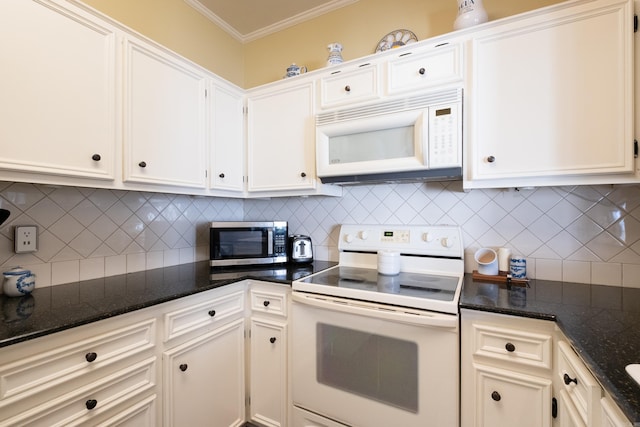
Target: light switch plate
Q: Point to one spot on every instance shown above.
(26, 239)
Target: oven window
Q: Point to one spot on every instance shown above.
(373, 366)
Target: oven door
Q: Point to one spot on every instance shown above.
(371, 365)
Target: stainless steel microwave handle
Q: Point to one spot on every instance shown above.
(397, 314)
(269, 242)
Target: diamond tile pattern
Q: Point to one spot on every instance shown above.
(588, 233)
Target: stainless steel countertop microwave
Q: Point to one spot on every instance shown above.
(247, 243)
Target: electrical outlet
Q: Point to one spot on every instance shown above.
(26, 239)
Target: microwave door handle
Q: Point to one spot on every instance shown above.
(269, 242)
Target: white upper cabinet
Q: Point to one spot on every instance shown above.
(281, 139)
(550, 98)
(58, 86)
(424, 68)
(164, 118)
(227, 138)
(349, 85)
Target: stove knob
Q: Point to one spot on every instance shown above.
(446, 242)
(364, 235)
(427, 237)
(348, 238)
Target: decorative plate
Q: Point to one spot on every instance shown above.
(396, 38)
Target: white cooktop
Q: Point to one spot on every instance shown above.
(431, 267)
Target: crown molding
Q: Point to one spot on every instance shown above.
(278, 26)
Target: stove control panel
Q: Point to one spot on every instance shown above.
(429, 240)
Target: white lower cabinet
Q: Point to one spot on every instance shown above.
(203, 379)
(82, 376)
(508, 398)
(582, 400)
(505, 371)
(268, 380)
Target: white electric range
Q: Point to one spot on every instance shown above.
(375, 350)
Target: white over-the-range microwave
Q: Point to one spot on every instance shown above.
(414, 138)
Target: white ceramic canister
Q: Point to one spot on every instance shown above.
(504, 259)
(388, 263)
(487, 260)
(470, 13)
(18, 282)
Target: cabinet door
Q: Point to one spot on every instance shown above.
(227, 139)
(551, 95)
(204, 379)
(164, 118)
(506, 398)
(568, 415)
(58, 82)
(281, 139)
(268, 372)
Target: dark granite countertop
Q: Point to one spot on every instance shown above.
(56, 308)
(601, 322)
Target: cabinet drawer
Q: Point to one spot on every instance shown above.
(414, 71)
(34, 373)
(580, 385)
(349, 87)
(513, 345)
(267, 301)
(212, 312)
(84, 404)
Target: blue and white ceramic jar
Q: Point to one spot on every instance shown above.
(18, 282)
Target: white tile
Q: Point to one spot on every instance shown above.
(66, 229)
(136, 262)
(43, 274)
(187, 255)
(65, 272)
(66, 197)
(91, 268)
(171, 257)
(631, 276)
(22, 195)
(605, 246)
(85, 212)
(115, 265)
(603, 273)
(576, 271)
(548, 269)
(155, 259)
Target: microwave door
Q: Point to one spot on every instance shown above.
(392, 142)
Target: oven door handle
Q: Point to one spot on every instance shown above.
(378, 311)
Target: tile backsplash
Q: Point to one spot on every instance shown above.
(585, 234)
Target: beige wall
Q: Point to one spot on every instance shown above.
(359, 27)
(178, 26)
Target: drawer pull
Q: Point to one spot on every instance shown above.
(347, 88)
(91, 403)
(221, 175)
(212, 313)
(496, 396)
(266, 303)
(96, 157)
(91, 357)
(491, 159)
(272, 340)
(510, 347)
(422, 71)
(183, 367)
(568, 380)
(142, 164)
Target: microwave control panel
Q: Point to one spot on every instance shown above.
(444, 134)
